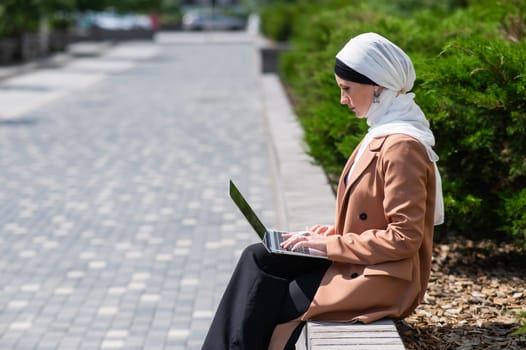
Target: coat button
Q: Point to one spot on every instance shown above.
(363, 216)
(354, 275)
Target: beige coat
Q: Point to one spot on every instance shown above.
(381, 251)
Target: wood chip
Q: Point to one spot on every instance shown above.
(473, 301)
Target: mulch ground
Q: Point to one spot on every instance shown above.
(476, 293)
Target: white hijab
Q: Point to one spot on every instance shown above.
(386, 64)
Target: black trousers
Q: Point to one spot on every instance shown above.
(265, 290)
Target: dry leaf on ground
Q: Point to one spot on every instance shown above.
(475, 294)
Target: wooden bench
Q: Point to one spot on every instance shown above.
(379, 335)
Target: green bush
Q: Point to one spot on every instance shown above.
(276, 21)
(474, 96)
(278, 18)
(514, 214)
(18, 16)
(471, 66)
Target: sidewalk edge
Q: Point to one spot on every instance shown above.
(303, 193)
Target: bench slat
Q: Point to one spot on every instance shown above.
(387, 323)
(379, 335)
(358, 347)
(355, 341)
(350, 334)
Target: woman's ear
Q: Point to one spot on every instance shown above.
(376, 94)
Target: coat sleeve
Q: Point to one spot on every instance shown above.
(403, 168)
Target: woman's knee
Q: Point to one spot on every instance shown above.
(254, 251)
(265, 261)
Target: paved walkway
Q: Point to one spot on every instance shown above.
(116, 230)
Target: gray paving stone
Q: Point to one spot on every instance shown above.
(50, 340)
(69, 343)
(9, 341)
(29, 343)
(115, 189)
(89, 345)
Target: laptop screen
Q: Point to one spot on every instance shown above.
(247, 211)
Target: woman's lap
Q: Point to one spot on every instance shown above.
(264, 291)
(304, 275)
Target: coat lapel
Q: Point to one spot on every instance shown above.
(343, 177)
(362, 164)
(367, 157)
(344, 186)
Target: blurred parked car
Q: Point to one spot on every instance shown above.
(114, 26)
(211, 20)
(114, 21)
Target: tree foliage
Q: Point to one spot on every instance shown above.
(19, 15)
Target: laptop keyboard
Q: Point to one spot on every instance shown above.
(280, 238)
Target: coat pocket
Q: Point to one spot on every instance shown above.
(402, 269)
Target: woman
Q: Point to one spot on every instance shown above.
(379, 250)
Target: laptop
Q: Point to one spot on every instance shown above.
(271, 239)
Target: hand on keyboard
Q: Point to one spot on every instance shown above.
(299, 241)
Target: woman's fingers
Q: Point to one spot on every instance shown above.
(293, 238)
(307, 239)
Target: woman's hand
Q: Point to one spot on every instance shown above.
(317, 243)
(325, 230)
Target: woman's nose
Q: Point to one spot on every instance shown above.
(343, 99)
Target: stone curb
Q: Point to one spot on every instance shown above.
(303, 194)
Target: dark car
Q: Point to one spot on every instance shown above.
(211, 20)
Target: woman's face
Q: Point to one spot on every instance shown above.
(358, 97)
